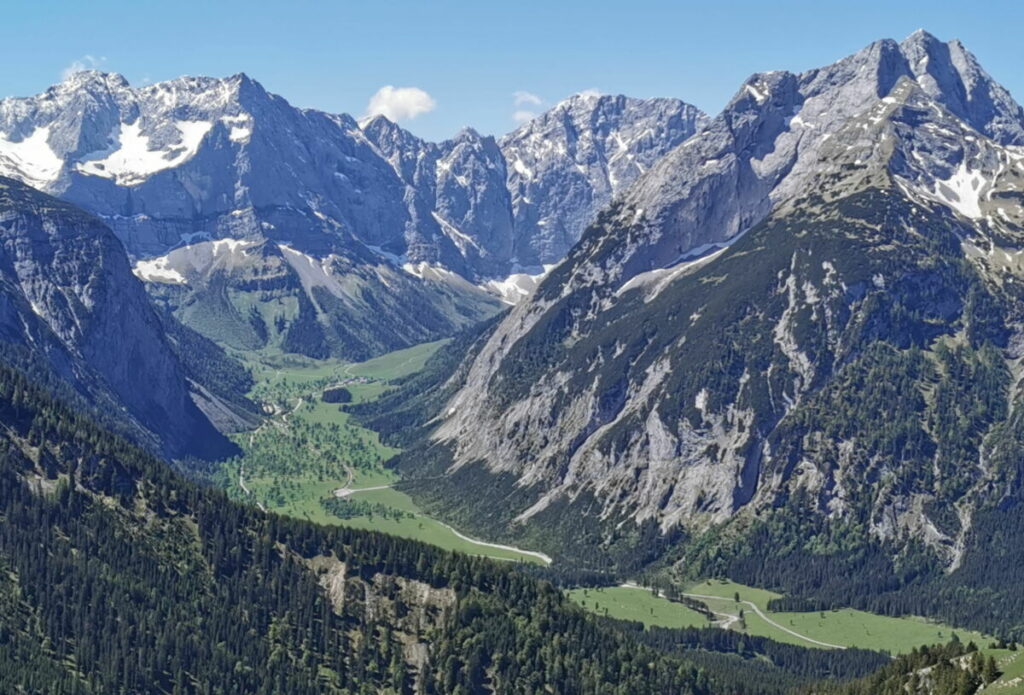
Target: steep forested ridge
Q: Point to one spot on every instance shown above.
(952, 669)
(72, 311)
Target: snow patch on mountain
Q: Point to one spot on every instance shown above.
(962, 191)
(130, 161)
(231, 245)
(241, 127)
(158, 270)
(658, 279)
(517, 286)
(31, 158)
(427, 271)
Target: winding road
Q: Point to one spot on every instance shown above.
(245, 488)
(347, 490)
(546, 559)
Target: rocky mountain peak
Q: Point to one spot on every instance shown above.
(566, 164)
(468, 134)
(92, 81)
(777, 131)
(876, 175)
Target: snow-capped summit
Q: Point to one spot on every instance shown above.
(768, 142)
(198, 156)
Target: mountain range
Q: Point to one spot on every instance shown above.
(369, 238)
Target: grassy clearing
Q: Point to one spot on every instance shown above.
(396, 364)
(422, 528)
(846, 626)
(637, 604)
(308, 449)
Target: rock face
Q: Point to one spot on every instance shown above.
(718, 343)
(70, 307)
(459, 208)
(568, 163)
(196, 157)
(251, 294)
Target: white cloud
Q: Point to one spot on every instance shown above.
(526, 99)
(86, 62)
(522, 97)
(400, 103)
(522, 115)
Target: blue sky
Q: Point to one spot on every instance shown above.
(470, 58)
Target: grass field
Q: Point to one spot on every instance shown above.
(395, 364)
(846, 626)
(422, 528)
(635, 604)
(842, 628)
(309, 449)
(280, 378)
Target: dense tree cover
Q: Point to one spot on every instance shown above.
(916, 442)
(307, 449)
(208, 364)
(123, 577)
(778, 552)
(349, 508)
(305, 334)
(777, 666)
(402, 416)
(337, 394)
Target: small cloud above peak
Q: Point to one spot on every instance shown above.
(522, 98)
(399, 103)
(524, 101)
(84, 64)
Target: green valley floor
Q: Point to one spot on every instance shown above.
(832, 629)
(311, 460)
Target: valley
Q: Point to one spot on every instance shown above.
(309, 460)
